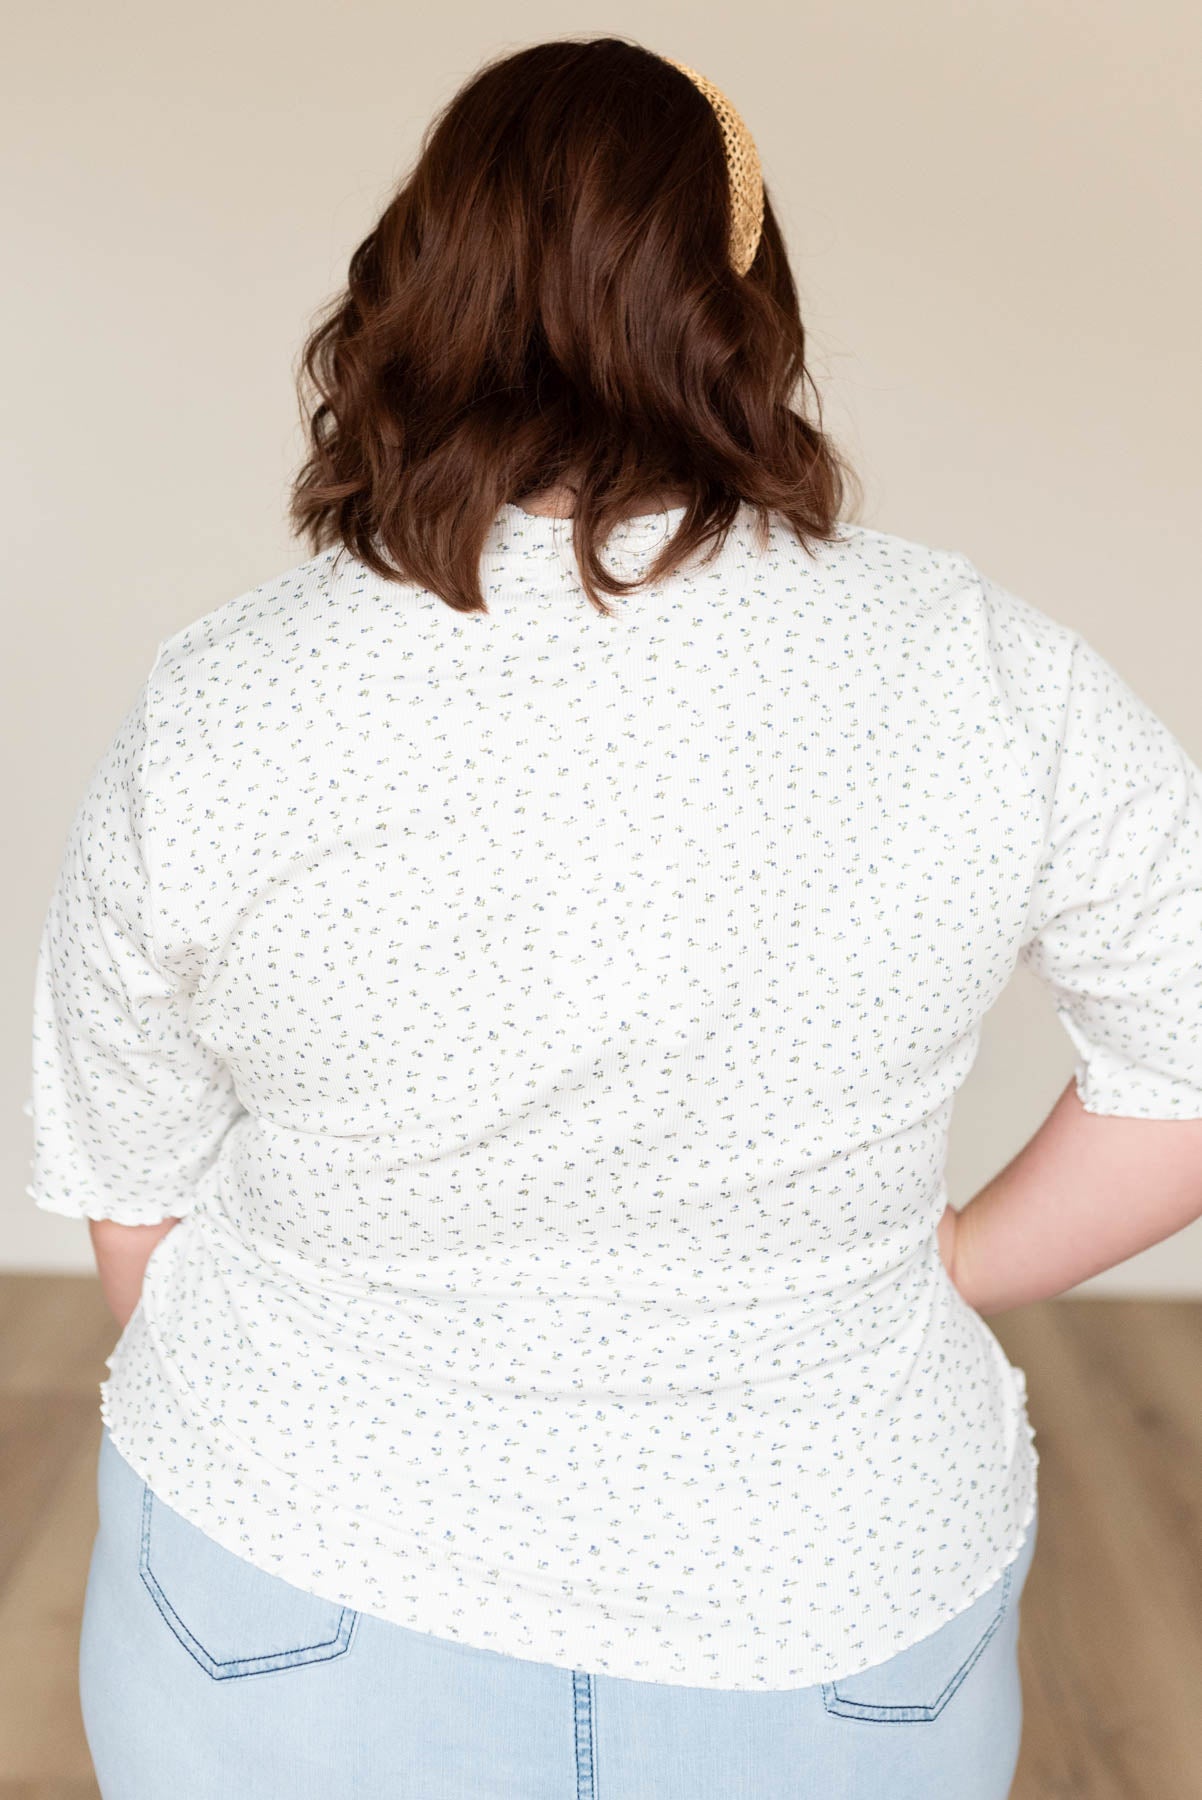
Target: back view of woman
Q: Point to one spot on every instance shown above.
(501, 1010)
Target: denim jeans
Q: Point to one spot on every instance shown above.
(203, 1677)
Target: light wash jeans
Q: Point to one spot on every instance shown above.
(205, 1678)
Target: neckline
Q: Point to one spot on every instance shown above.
(550, 523)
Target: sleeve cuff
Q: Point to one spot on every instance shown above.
(67, 1206)
(1125, 1090)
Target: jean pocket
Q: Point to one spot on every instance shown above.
(919, 1682)
(233, 1618)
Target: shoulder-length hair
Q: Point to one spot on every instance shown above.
(548, 294)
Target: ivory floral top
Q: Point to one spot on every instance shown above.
(546, 1029)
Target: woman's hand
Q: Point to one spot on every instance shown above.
(1086, 1192)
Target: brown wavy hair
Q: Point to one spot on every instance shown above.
(548, 295)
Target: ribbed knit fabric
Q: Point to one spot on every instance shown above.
(547, 1027)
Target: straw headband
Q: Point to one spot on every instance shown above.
(743, 168)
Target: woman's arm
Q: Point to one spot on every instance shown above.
(1088, 1191)
(122, 1252)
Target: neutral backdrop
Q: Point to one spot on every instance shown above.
(992, 212)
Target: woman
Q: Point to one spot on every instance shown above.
(500, 1012)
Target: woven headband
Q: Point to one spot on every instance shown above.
(743, 168)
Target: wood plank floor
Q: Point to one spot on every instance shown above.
(1111, 1641)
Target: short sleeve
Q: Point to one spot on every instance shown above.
(129, 1107)
(1114, 928)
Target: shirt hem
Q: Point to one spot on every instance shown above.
(545, 1623)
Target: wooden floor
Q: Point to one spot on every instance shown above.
(1111, 1640)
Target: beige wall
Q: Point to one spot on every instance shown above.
(992, 210)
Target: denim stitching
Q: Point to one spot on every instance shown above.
(225, 1669)
(582, 1706)
(891, 1713)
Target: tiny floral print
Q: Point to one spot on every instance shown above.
(546, 1027)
